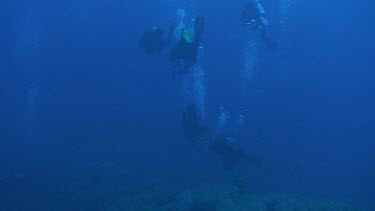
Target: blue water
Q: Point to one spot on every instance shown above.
(85, 114)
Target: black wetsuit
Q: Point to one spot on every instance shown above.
(185, 54)
(230, 155)
(250, 13)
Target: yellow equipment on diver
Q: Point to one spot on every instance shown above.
(187, 36)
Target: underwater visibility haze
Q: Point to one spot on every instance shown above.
(187, 105)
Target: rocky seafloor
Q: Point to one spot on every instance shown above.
(234, 197)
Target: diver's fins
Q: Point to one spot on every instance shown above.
(198, 28)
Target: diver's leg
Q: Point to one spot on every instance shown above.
(271, 44)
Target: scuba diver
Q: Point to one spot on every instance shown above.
(225, 147)
(191, 124)
(185, 53)
(253, 16)
(152, 40)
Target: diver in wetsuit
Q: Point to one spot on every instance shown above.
(153, 41)
(225, 147)
(185, 53)
(253, 16)
(191, 125)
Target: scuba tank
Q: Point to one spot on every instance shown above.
(180, 15)
(180, 25)
(264, 21)
(261, 12)
(259, 8)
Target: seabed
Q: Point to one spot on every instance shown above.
(234, 197)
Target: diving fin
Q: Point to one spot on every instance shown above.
(198, 27)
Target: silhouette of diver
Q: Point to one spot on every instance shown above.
(191, 124)
(224, 148)
(185, 53)
(152, 40)
(253, 15)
